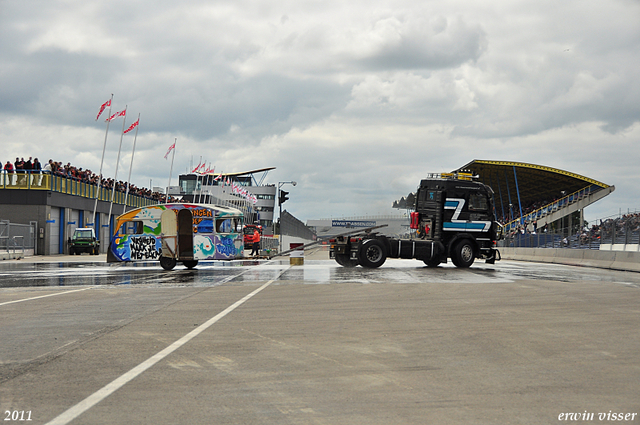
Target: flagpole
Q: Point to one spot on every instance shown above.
(133, 152)
(104, 147)
(198, 175)
(206, 180)
(115, 178)
(171, 169)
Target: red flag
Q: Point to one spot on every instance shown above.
(132, 126)
(116, 115)
(170, 149)
(102, 108)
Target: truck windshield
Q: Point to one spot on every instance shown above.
(83, 234)
(478, 202)
(249, 230)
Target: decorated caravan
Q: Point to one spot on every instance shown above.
(180, 232)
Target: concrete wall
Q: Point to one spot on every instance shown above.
(615, 260)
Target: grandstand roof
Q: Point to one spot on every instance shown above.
(246, 173)
(533, 182)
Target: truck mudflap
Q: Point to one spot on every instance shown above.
(493, 257)
(420, 250)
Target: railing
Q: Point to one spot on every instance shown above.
(16, 238)
(552, 207)
(550, 240)
(34, 180)
(616, 232)
(611, 235)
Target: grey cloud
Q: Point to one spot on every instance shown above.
(257, 106)
(418, 43)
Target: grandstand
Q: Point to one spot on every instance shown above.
(529, 193)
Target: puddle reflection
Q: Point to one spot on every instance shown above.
(312, 272)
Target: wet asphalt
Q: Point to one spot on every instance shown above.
(264, 342)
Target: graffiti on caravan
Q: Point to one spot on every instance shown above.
(144, 248)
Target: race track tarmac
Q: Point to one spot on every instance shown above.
(264, 342)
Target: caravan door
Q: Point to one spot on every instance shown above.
(185, 234)
(169, 233)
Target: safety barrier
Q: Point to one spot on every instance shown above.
(614, 260)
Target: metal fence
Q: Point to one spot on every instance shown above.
(17, 238)
(620, 231)
(550, 240)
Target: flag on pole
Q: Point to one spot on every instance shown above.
(102, 108)
(132, 126)
(117, 114)
(170, 149)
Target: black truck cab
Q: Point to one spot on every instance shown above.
(459, 213)
(453, 218)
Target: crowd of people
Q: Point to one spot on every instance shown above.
(21, 169)
(623, 229)
(618, 227)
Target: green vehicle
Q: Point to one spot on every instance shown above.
(84, 240)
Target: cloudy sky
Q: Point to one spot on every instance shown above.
(355, 100)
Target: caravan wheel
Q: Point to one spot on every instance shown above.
(167, 263)
(190, 263)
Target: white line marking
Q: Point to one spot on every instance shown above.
(107, 390)
(43, 296)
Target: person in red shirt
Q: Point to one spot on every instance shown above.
(256, 243)
(8, 168)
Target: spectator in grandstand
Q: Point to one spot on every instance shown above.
(86, 176)
(28, 166)
(19, 167)
(47, 166)
(36, 171)
(8, 168)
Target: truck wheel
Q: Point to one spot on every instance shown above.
(190, 264)
(345, 261)
(371, 253)
(435, 262)
(167, 263)
(463, 254)
(71, 251)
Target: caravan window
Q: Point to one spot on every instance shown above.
(131, 228)
(228, 225)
